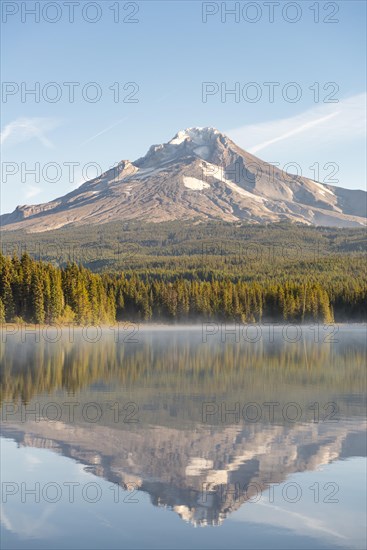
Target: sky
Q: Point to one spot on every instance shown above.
(285, 80)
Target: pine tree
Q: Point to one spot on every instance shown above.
(37, 298)
(26, 271)
(6, 291)
(56, 305)
(2, 312)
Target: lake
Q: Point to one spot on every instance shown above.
(189, 437)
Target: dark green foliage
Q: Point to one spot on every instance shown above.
(6, 288)
(41, 293)
(2, 312)
(195, 250)
(326, 290)
(185, 272)
(38, 297)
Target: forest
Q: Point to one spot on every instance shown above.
(184, 272)
(212, 248)
(335, 289)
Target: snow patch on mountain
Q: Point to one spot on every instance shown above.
(195, 184)
(322, 189)
(241, 191)
(179, 138)
(148, 172)
(212, 169)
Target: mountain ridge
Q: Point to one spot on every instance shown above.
(199, 174)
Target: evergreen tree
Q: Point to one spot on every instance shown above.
(39, 292)
(6, 291)
(2, 312)
(37, 298)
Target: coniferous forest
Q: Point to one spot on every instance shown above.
(176, 288)
(174, 272)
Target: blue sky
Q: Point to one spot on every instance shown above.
(168, 54)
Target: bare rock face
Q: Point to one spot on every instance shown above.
(199, 174)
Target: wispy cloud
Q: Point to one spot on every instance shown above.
(307, 521)
(104, 130)
(162, 98)
(25, 129)
(292, 132)
(32, 191)
(334, 122)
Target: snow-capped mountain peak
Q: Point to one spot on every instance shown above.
(196, 142)
(200, 173)
(197, 135)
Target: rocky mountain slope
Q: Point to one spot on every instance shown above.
(199, 174)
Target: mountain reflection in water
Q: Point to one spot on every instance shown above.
(204, 435)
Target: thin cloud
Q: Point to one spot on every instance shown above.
(32, 191)
(164, 97)
(104, 131)
(335, 122)
(298, 130)
(315, 524)
(25, 129)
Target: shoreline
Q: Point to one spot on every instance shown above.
(177, 326)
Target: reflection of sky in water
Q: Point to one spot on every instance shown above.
(109, 524)
(171, 452)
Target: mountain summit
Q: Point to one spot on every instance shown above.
(199, 174)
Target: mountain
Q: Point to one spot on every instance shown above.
(200, 174)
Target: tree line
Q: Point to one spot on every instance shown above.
(39, 292)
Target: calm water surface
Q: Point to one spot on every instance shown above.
(164, 440)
